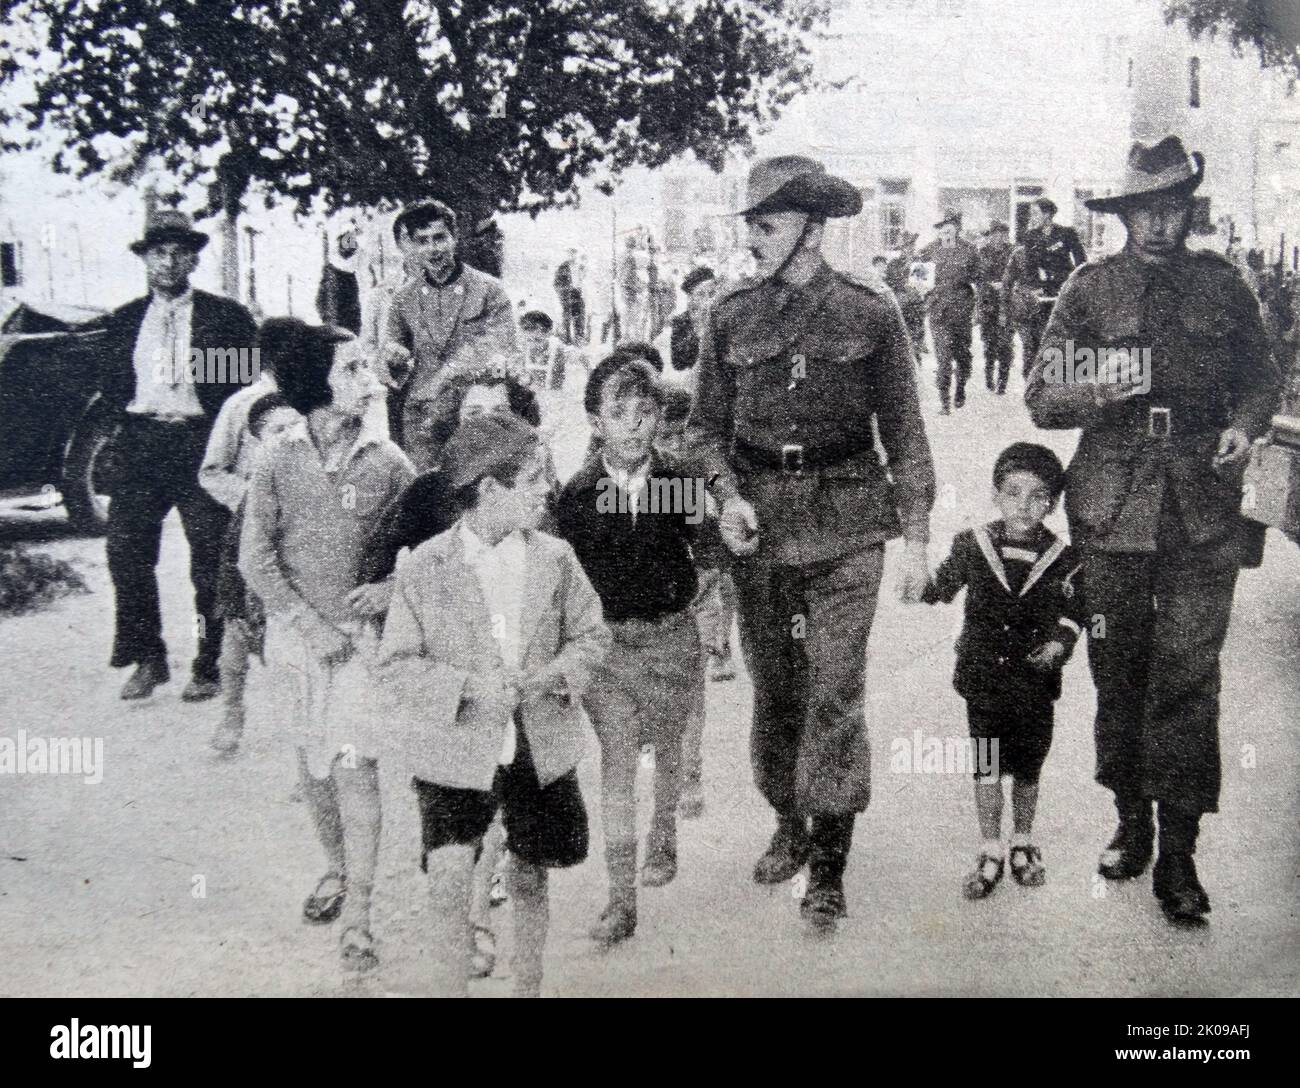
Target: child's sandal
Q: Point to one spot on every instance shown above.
(987, 874)
(1027, 866)
(357, 949)
(322, 907)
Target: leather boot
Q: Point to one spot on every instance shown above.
(1174, 880)
(147, 676)
(824, 904)
(786, 854)
(1129, 851)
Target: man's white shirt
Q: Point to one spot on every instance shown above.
(161, 360)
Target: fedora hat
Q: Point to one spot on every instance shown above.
(949, 217)
(169, 225)
(1164, 167)
(795, 183)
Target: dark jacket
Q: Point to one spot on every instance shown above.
(215, 323)
(1211, 367)
(683, 343)
(825, 366)
(643, 569)
(1015, 604)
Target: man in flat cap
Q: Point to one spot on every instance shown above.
(1183, 382)
(699, 287)
(799, 368)
(951, 305)
(1034, 275)
(166, 408)
(996, 330)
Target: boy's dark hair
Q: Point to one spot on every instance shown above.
(1030, 457)
(1046, 205)
(536, 319)
(262, 407)
(676, 404)
(521, 399)
(305, 383)
(493, 445)
(633, 379)
(419, 215)
(279, 340)
(628, 352)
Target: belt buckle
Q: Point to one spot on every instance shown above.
(1159, 423)
(792, 458)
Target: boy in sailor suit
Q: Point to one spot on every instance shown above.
(1023, 615)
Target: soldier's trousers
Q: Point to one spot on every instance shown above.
(1031, 336)
(999, 347)
(1158, 622)
(803, 632)
(952, 351)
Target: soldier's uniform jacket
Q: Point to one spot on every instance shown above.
(993, 264)
(1211, 368)
(956, 272)
(810, 375)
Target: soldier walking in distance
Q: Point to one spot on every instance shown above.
(1039, 266)
(797, 368)
(1153, 497)
(995, 323)
(951, 305)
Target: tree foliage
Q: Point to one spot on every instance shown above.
(499, 104)
(1271, 27)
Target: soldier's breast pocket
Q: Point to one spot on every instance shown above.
(762, 374)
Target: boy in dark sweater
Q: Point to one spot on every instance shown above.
(1023, 615)
(630, 514)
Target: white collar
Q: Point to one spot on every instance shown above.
(185, 298)
(626, 479)
(366, 437)
(476, 548)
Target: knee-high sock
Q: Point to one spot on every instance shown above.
(322, 797)
(494, 844)
(451, 945)
(667, 784)
(358, 799)
(528, 890)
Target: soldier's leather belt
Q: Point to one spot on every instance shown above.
(1165, 421)
(794, 458)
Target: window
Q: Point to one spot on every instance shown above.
(1194, 82)
(893, 223)
(9, 264)
(1090, 225)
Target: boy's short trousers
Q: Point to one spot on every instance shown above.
(1024, 736)
(641, 693)
(545, 825)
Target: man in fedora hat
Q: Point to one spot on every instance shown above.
(995, 324)
(951, 305)
(898, 275)
(166, 408)
(1184, 381)
(1033, 277)
(798, 368)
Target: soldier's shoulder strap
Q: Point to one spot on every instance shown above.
(1213, 259)
(867, 281)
